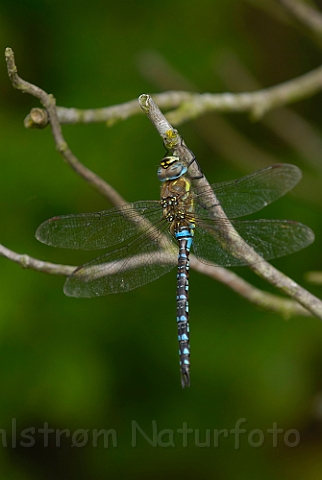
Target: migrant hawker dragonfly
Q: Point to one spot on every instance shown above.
(158, 235)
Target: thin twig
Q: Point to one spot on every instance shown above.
(264, 300)
(26, 261)
(113, 114)
(241, 249)
(257, 103)
(286, 123)
(49, 102)
(267, 301)
(188, 106)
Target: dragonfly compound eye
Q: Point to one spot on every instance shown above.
(170, 169)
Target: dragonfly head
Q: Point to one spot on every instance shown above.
(171, 168)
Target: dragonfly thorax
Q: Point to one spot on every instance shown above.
(171, 168)
(177, 204)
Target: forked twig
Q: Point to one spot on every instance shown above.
(49, 102)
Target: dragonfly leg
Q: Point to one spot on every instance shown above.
(197, 163)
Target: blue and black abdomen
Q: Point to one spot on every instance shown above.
(184, 238)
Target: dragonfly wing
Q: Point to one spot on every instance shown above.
(91, 231)
(249, 194)
(142, 261)
(270, 239)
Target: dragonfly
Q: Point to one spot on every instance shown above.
(154, 236)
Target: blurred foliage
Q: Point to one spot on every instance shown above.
(103, 363)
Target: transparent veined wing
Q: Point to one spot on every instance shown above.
(270, 239)
(249, 194)
(92, 231)
(145, 259)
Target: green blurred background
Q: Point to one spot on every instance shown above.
(103, 363)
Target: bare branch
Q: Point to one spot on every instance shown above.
(49, 102)
(168, 134)
(241, 249)
(258, 103)
(267, 301)
(188, 106)
(26, 261)
(287, 124)
(264, 300)
(115, 113)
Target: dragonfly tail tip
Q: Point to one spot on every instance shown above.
(185, 379)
